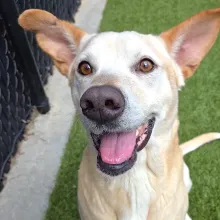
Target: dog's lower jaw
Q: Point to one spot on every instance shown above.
(152, 189)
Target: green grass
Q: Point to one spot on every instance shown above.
(199, 109)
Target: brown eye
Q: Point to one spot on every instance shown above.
(84, 68)
(146, 65)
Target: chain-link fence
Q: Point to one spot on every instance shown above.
(24, 68)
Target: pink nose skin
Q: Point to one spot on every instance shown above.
(102, 103)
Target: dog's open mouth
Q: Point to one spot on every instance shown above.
(117, 152)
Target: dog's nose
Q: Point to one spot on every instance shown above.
(102, 103)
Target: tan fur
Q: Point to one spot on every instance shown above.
(197, 142)
(170, 185)
(106, 81)
(167, 183)
(163, 168)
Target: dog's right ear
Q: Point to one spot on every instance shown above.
(57, 38)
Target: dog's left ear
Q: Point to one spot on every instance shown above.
(59, 39)
(192, 39)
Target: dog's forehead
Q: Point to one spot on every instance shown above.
(126, 45)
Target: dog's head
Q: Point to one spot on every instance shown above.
(124, 85)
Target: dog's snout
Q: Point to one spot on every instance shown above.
(102, 103)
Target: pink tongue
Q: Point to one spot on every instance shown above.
(118, 147)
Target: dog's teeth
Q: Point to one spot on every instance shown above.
(145, 131)
(137, 133)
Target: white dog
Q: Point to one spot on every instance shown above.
(125, 89)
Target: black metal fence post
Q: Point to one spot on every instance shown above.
(20, 41)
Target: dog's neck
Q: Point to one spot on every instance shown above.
(159, 147)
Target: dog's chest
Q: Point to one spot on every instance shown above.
(124, 197)
(138, 188)
(139, 200)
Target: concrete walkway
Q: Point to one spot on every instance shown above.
(33, 174)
